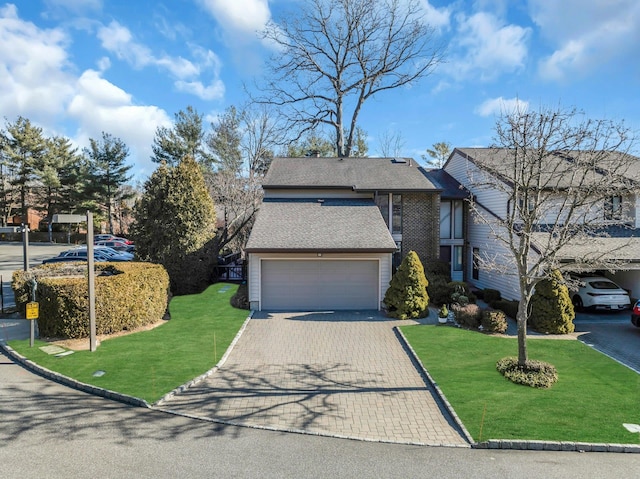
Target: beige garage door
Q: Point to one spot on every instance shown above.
(303, 285)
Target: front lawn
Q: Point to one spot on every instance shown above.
(149, 364)
(593, 397)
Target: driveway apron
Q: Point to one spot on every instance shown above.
(342, 374)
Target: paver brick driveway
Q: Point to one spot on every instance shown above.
(342, 373)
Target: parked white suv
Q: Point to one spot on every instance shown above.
(600, 292)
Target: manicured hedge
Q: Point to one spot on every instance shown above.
(128, 295)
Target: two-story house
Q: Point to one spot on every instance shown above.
(615, 220)
(330, 230)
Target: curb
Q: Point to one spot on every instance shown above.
(516, 444)
(204, 376)
(69, 382)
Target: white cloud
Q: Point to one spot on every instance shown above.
(214, 91)
(487, 47)
(99, 105)
(500, 106)
(586, 35)
(34, 68)
(438, 18)
(118, 40)
(239, 16)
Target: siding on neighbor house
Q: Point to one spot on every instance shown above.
(421, 225)
(465, 172)
(254, 268)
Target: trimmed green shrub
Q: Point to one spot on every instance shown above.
(494, 321)
(128, 296)
(491, 296)
(510, 308)
(240, 300)
(407, 295)
(467, 316)
(551, 308)
(537, 374)
(460, 289)
(439, 291)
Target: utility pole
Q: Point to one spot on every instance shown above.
(92, 283)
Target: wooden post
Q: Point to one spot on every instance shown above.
(92, 283)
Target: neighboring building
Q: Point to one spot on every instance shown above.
(330, 231)
(620, 219)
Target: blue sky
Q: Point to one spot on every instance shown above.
(80, 67)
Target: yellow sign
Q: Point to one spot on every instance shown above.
(32, 310)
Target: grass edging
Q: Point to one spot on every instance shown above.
(204, 376)
(70, 382)
(435, 386)
(515, 444)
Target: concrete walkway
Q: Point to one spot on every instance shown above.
(339, 374)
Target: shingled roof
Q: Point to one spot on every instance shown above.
(359, 174)
(314, 226)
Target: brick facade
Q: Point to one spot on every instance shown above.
(421, 225)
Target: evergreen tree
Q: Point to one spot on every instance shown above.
(23, 148)
(186, 138)
(551, 308)
(407, 295)
(224, 141)
(176, 225)
(109, 171)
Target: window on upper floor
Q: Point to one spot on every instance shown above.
(613, 208)
(451, 220)
(390, 205)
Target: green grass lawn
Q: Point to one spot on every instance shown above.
(149, 364)
(593, 397)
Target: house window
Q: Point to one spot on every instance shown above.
(397, 214)
(445, 220)
(475, 273)
(458, 220)
(391, 208)
(457, 258)
(383, 203)
(613, 208)
(445, 254)
(451, 219)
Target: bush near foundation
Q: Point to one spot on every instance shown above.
(490, 296)
(510, 308)
(494, 321)
(406, 297)
(467, 316)
(551, 308)
(128, 296)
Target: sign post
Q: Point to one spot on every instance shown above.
(92, 283)
(33, 311)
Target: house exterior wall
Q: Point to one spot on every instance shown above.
(254, 272)
(465, 172)
(421, 225)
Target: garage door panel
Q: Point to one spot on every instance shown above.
(319, 284)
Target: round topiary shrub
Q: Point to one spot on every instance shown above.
(407, 294)
(537, 374)
(551, 308)
(467, 316)
(494, 321)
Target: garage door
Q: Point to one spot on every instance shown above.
(319, 285)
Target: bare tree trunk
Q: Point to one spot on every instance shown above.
(522, 331)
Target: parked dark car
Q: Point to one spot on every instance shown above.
(635, 314)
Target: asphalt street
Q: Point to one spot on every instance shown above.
(48, 430)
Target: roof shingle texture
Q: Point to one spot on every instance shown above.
(332, 225)
(361, 174)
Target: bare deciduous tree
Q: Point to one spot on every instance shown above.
(390, 144)
(557, 172)
(334, 55)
